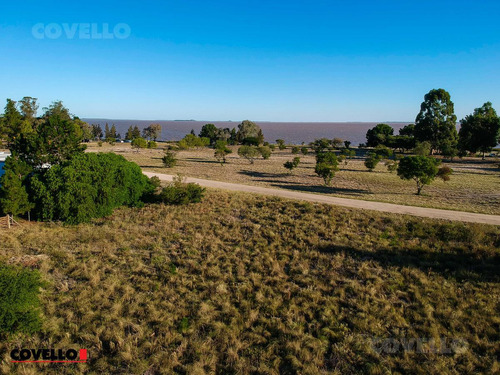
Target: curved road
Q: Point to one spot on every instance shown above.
(433, 213)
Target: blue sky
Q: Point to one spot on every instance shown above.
(263, 60)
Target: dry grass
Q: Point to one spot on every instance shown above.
(474, 186)
(247, 284)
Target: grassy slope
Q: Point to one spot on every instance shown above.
(241, 284)
(473, 187)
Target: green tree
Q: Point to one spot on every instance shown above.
(408, 130)
(14, 199)
(169, 159)
(421, 169)
(379, 135)
(281, 144)
(249, 129)
(96, 131)
(436, 121)
(129, 135)
(295, 150)
(290, 165)
(422, 149)
(326, 172)
(221, 151)
(480, 131)
(152, 132)
(249, 153)
(138, 143)
(304, 150)
(265, 152)
(336, 142)
(372, 161)
(209, 131)
(12, 121)
(319, 145)
(56, 138)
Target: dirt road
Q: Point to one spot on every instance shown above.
(344, 202)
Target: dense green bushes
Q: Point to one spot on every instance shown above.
(87, 186)
(180, 193)
(19, 289)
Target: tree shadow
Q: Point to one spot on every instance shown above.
(196, 160)
(320, 189)
(262, 174)
(462, 267)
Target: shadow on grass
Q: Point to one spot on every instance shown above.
(262, 174)
(463, 267)
(320, 189)
(200, 160)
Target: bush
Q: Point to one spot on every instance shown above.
(87, 186)
(139, 143)
(304, 150)
(272, 147)
(290, 165)
(265, 152)
(326, 172)
(152, 144)
(180, 193)
(249, 153)
(372, 161)
(295, 150)
(444, 173)
(221, 151)
(19, 304)
(327, 158)
(169, 159)
(250, 141)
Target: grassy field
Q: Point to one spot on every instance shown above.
(245, 284)
(474, 186)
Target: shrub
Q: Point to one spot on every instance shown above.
(444, 173)
(180, 193)
(422, 149)
(295, 150)
(372, 161)
(221, 151)
(139, 143)
(152, 144)
(391, 165)
(304, 150)
(326, 172)
(250, 141)
(290, 165)
(19, 304)
(87, 186)
(272, 147)
(281, 144)
(327, 157)
(169, 159)
(265, 152)
(249, 153)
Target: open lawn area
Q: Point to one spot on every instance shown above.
(474, 185)
(243, 284)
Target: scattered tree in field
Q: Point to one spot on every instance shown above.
(14, 199)
(436, 122)
(191, 140)
(422, 149)
(96, 132)
(383, 152)
(295, 150)
(272, 147)
(379, 135)
(444, 173)
(265, 152)
(249, 129)
(347, 154)
(372, 161)
(326, 172)
(290, 165)
(319, 145)
(139, 143)
(152, 132)
(169, 160)
(421, 169)
(152, 144)
(347, 144)
(336, 142)
(479, 131)
(209, 131)
(249, 153)
(392, 165)
(304, 150)
(281, 144)
(221, 151)
(326, 166)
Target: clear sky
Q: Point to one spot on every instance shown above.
(269, 60)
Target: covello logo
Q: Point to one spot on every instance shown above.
(80, 31)
(48, 356)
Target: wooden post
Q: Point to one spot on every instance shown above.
(8, 221)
